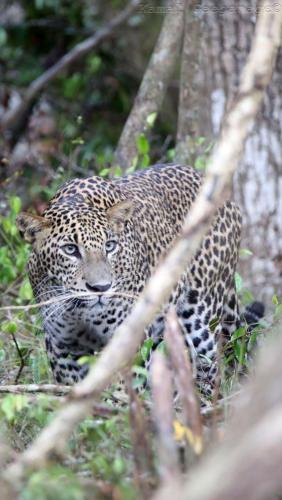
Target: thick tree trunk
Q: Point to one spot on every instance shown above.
(153, 86)
(228, 28)
(194, 117)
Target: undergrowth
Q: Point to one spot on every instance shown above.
(98, 461)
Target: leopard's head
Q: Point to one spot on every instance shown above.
(81, 249)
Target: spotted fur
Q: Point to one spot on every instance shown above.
(116, 231)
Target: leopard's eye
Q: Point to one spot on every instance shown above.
(110, 246)
(71, 249)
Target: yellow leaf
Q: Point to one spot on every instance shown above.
(181, 432)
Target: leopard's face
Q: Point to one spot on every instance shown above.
(82, 254)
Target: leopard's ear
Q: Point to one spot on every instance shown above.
(30, 226)
(119, 213)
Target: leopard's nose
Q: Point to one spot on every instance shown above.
(98, 287)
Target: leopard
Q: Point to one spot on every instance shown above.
(97, 244)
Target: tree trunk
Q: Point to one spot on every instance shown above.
(194, 117)
(228, 27)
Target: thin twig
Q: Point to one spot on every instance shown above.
(142, 451)
(184, 380)
(54, 389)
(162, 395)
(22, 361)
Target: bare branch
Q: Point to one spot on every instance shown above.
(153, 87)
(162, 395)
(13, 120)
(142, 451)
(248, 462)
(121, 349)
(184, 379)
(54, 389)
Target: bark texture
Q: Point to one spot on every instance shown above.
(154, 84)
(194, 105)
(228, 29)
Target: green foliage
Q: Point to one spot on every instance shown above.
(199, 150)
(143, 148)
(151, 118)
(100, 447)
(14, 253)
(53, 482)
(3, 37)
(278, 307)
(12, 405)
(16, 290)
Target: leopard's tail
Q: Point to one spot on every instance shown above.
(253, 314)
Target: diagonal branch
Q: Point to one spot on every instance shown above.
(153, 86)
(184, 382)
(121, 349)
(13, 120)
(162, 397)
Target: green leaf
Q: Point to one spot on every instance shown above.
(3, 37)
(245, 252)
(239, 333)
(72, 85)
(130, 170)
(94, 63)
(15, 204)
(142, 144)
(238, 282)
(278, 312)
(13, 404)
(146, 349)
(6, 223)
(9, 327)
(208, 148)
(151, 118)
(200, 141)
(145, 162)
(200, 163)
(134, 163)
(119, 465)
(275, 300)
(78, 141)
(90, 360)
(162, 347)
(171, 154)
(104, 172)
(25, 292)
(117, 171)
(140, 370)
